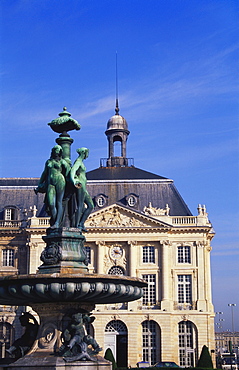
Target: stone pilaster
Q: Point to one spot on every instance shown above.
(133, 258)
(166, 303)
(201, 303)
(100, 259)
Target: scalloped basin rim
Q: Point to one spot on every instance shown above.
(117, 279)
(58, 287)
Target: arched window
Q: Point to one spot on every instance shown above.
(116, 270)
(150, 342)
(116, 326)
(6, 337)
(187, 336)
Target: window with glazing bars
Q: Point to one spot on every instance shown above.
(149, 296)
(184, 289)
(184, 254)
(10, 214)
(186, 356)
(149, 342)
(8, 257)
(148, 254)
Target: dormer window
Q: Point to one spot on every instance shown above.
(10, 213)
(101, 200)
(132, 200)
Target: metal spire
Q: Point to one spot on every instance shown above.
(116, 74)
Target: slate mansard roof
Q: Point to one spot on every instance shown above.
(114, 183)
(117, 183)
(121, 173)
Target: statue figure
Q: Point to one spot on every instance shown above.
(23, 344)
(76, 340)
(84, 203)
(53, 183)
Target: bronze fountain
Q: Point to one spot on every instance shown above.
(63, 292)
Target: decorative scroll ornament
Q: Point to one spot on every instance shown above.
(51, 254)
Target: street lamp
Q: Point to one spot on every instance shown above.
(232, 305)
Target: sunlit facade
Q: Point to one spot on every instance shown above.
(140, 227)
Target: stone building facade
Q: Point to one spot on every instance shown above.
(141, 227)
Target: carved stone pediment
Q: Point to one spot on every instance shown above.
(118, 216)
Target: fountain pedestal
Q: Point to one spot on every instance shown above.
(43, 355)
(64, 252)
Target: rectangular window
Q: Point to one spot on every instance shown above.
(8, 214)
(184, 289)
(148, 254)
(184, 254)
(88, 253)
(8, 257)
(149, 297)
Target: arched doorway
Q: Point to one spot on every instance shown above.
(188, 348)
(151, 343)
(116, 338)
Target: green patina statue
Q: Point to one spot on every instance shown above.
(64, 185)
(53, 183)
(84, 203)
(76, 340)
(67, 200)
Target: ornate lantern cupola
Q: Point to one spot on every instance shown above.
(117, 133)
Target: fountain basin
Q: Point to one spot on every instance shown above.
(46, 288)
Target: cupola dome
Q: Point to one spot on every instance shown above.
(117, 122)
(117, 133)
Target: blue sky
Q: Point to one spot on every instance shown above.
(178, 89)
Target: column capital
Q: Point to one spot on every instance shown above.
(200, 244)
(100, 243)
(166, 242)
(132, 242)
